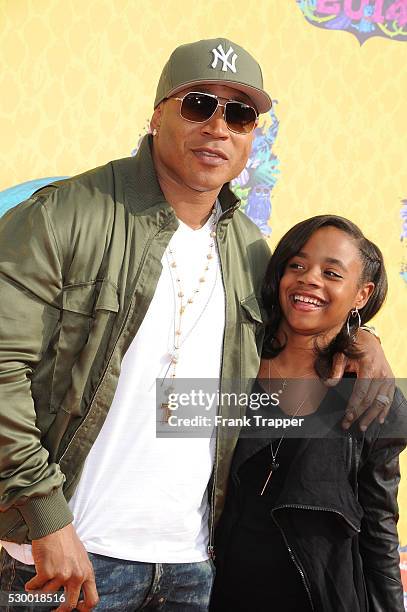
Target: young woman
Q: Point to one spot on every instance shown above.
(310, 520)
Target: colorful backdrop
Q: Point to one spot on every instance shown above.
(77, 82)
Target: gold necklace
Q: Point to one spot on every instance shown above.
(284, 378)
(274, 464)
(179, 337)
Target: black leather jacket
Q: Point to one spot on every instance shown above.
(338, 512)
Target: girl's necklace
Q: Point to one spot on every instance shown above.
(274, 453)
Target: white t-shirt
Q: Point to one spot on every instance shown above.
(140, 497)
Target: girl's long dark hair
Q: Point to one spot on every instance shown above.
(373, 270)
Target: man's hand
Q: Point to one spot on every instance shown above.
(374, 389)
(62, 561)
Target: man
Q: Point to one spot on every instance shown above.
(140, 269)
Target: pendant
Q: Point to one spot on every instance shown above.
(274, 467)
(165, 407)
(285, 385)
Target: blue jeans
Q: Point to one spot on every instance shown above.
(127, 586)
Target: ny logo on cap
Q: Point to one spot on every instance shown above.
(220, 55)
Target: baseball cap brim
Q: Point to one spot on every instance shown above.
(259, 97)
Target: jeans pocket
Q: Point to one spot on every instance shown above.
(13, 576)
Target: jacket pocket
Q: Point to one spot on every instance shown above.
(87, 309)
(251, 337)
(11, 523)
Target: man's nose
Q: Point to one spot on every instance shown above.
(216, 125)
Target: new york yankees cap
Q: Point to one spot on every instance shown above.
(213, 61)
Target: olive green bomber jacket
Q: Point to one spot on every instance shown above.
(79, 264)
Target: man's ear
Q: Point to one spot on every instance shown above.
(364, 294)
(155, 120)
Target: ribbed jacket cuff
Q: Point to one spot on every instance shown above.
(44, 515)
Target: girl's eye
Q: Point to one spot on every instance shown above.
(294, 265)
(332, 274)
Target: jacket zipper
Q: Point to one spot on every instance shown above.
(352, 474)
(295, 561)
(349, 462)
(146, 248)
(319, 509)
(211, 548)
(355, 471)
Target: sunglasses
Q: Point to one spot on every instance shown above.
(199, 107)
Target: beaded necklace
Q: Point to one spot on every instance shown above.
(181, 303)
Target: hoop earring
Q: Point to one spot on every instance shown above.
(354, 313)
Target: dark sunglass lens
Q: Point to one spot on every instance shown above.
(240, 117)
(198, 107)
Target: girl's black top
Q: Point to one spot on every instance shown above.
(259, 572)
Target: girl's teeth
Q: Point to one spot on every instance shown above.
(300, 298)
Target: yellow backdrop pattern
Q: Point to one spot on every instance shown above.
(77, 83)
